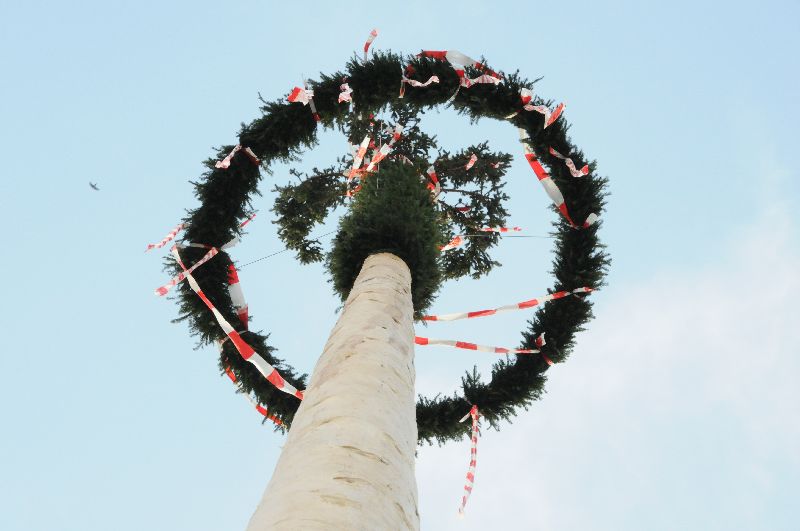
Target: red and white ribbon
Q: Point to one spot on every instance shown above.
(358, 158)
(261, 409)
(246, 351)
(212, 252)
(225, 163)
(233, 242)
(458, 61)
(591, 219)
(346, 94)
(397, 132)
(382, 153)
(174, 232)
(300, 95)
(471, 162)
(549, 116)
(455, 57)
(544, 178)
(575, 172)
(264, 412)
(237, 296)
(248, 220)
(162, 290)
(311, 102)
(455, 242)
(467, 82)
(372, 35)
(304, 96)
(526, 97)
(386, 149)
(434, 185)
(540, 342)
(471, 346)
(415, 83)
(507, 308)
(500, 229)
(473, 456)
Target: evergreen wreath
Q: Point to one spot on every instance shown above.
(285, 128)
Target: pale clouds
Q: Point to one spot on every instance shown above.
(679, 409)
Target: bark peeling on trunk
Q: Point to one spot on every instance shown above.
(348, 461)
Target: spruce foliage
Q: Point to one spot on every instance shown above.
(392, 213)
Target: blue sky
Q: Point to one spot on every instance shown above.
(677, 410)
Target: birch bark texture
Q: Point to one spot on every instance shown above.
(348, 461)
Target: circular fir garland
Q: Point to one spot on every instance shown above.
(284, 129)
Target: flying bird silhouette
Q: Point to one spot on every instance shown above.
(94, 186)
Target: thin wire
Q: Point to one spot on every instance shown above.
(262, 258)
(466, 235)
(279, 252)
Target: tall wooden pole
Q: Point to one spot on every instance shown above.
(348, 461)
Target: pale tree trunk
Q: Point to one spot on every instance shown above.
(348, 461)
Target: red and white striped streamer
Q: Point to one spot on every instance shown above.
(457, 58)
(549, 116)
(500, 229)
(397, 132)
(473, 456)
(346, 94)
(372, 35)
(212, 252)
(471, 162)
(162, 290)
(225, 163)
(434, 185)
(358, 158)
(458, 61)
(381, 154)
(540, 342)
(415, 83)
(507, 308)
(526, 97)
(304, 96)
(261, 409)
(300, 95)
(467, 82)
(455, 242)
(386, 149)
(311, 101)
(248, 220)
(246, 351)
(264, 412)
(237, 296)
(174, 232)
(575, 172)
(544, 178)
(591, 219)
(471, 346)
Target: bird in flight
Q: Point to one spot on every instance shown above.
(94, 186)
